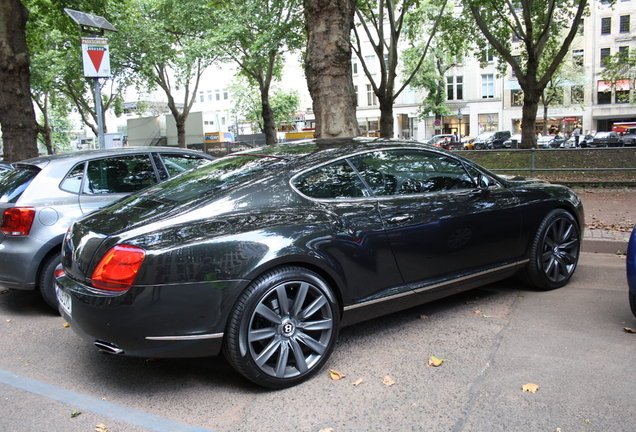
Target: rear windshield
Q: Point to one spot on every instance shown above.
(216, 175)
(15, 181)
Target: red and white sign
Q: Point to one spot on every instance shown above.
(95, 57)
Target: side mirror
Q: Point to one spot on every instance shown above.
(483, 182)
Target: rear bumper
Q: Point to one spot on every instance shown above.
(162, 321)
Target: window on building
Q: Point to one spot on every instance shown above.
(454, 88)
(577, 95)
(408, 95)
(623, 52)
(578, 58)
(369, 61)
(223, 121)
(209, 95)
(624, 24)
(459, 87)
(606, 25)
(516, 97)
(201, 97)
(581, 29)
(226, 95)
(517, 59)
(604, 92)
(487, 86)
(354, 66)
(372, 99)
(217, 94)
(622, 91)
(605, 53)
(386, 61)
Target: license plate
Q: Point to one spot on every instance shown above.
(64, 300)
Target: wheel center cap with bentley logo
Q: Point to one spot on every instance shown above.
(288, 328)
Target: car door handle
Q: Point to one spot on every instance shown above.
(401, 217)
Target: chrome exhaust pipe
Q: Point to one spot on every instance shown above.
(108, 347)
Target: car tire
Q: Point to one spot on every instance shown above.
(279, 347)
(554, 253)
(47, 280)
(632, 303)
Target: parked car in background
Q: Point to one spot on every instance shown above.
(509, 142)
(629, 139)
(550, 141)
(491, 140)
(265, 254)
(570, 142)
(631, 270)
(445, 141)
(605, 139)
(40, 197)
(467, 142)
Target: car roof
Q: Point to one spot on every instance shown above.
(42, 161)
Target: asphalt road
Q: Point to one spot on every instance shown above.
(494, 340)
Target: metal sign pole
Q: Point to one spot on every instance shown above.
(100, 117)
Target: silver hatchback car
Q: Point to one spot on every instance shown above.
(41, 197)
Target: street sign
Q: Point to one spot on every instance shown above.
(437, 122)
(95, 57)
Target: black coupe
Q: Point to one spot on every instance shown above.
(265, 254)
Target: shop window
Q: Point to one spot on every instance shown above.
(516, 97)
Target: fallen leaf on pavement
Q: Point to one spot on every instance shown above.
(629, 330)
(65, 325)
(101, 428)
(388, 381)
(357, 382)
(326, 430)
(335, 375)
(8, 320)
(532, 388)
(434, 361)
(75, 414)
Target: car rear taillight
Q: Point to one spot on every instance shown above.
(118, 268)
(17, 221)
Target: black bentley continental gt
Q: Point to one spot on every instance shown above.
(265, 254)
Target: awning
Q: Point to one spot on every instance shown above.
(604, 86)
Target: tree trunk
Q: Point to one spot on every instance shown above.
(180, 122)
(529, 121)
(386, 117)
(328, 66)
(17, 117)
(269, 124)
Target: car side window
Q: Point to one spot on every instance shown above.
(410, 171)
(73, 180)
(178, 163)
(334, 181)
(123, 174)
